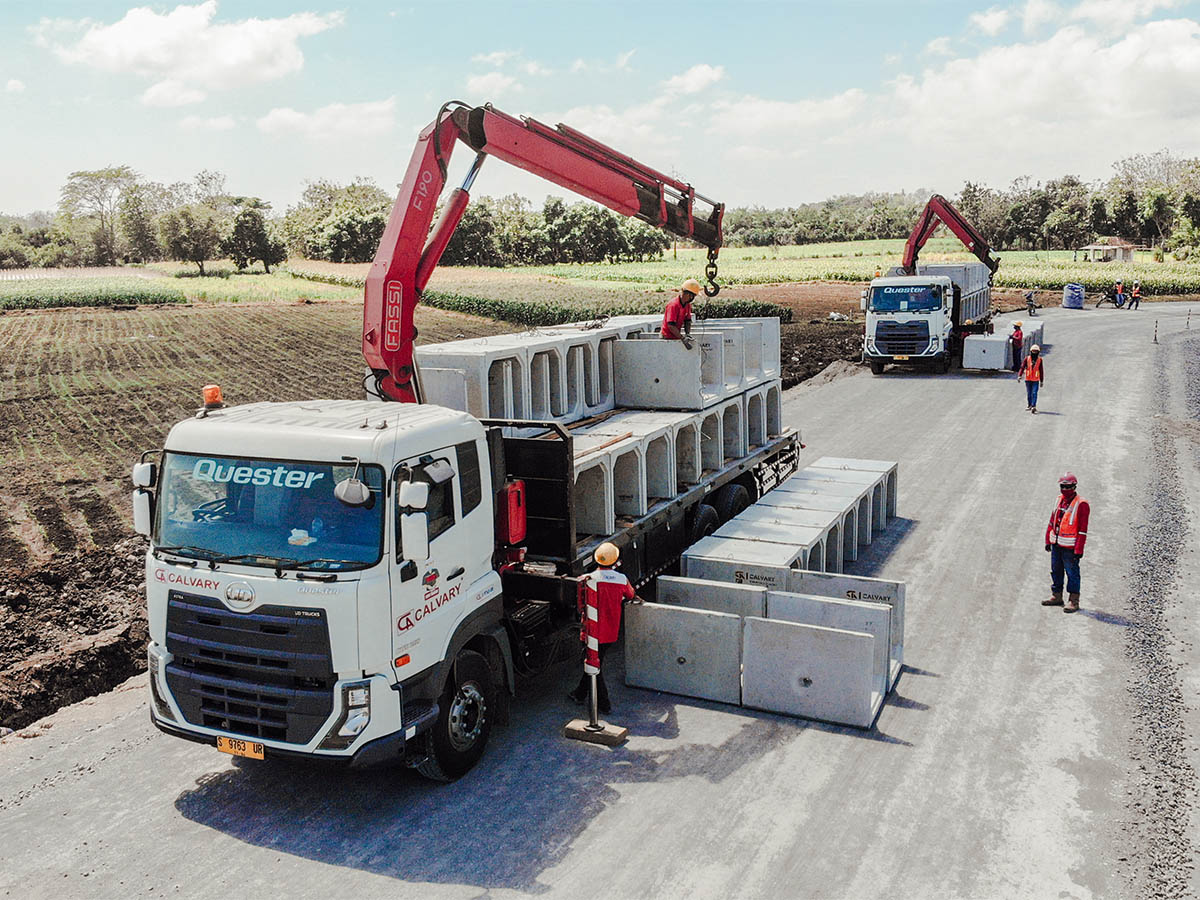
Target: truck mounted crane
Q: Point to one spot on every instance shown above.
(920, 314)
(361, 582)
(409, 251)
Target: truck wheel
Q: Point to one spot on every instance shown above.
(705, 523)
(876, 366)
(465, 709)
(730, 500)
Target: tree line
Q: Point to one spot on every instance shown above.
(113, 215)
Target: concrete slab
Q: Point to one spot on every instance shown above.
(657, 374)
(874, 619)
(714, 596)
(809, 671)
(741, 562)
(692, 652)
(987, 351)
(859, 587)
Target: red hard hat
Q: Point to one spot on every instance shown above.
(1069, 478)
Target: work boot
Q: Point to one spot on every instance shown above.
(1072, 603)
(1033, 409)
(1055, 599)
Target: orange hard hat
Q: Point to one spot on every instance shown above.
(691, 285)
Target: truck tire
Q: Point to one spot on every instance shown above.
(706, 521)
(465, 712)
(946, 364)
(876, 366)
(729, 501)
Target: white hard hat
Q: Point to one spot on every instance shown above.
(1035, 349)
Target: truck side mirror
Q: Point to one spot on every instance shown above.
(414, 521)
(143, 511)
(352, 492)
(145, 475)
(862, 301)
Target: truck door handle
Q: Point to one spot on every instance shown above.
(455, 573)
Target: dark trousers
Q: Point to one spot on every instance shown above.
(1064, 561)
(1135, 302)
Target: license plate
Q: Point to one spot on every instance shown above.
(900, 357)
(240, 748)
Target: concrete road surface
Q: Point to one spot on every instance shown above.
(1025, 753)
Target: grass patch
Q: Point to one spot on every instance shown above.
(45, 293)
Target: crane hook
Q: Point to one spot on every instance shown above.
(710, 272)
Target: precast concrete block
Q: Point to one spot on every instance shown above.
(774, 406)
(715, 596)
(810, 671)
(756, 417)
(813, 540)
(776, 521)
(495, 374)
(733, 338)
(712, 441)
(874, 619)
(856, 505)
(629, 476)
(593, 496)
(889, 469)
(835, 480)
(693, 652)
(667, 375)
(733, 428)
(858, 587)
(987, 351)
(657, 440)
(687, 455)
(642, 326)
(742, 562)
(444, 387)
(766, 330)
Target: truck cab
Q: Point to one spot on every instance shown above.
(909, 319)
(313, 569)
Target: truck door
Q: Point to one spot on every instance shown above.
(431, 596)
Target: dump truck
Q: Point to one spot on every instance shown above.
(920, 313)
(365, 580)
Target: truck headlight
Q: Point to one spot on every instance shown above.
(356, 715)
(161, 709)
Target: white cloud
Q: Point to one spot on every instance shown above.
(203, 123)
(579, 66)
(186, 47)
(335, 122)
(532, 67)
(14, 86)
(620, 64)
(623, 59)
(496, 58)
(493, 84)
(991, 21)
(939, 46)
(1119, 14)
(695, 79)
(1036, 13)
(172, 93)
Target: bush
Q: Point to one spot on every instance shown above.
(44, 293)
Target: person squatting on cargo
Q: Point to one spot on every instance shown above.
(607, 589)
(1034, 375)
(677, 319)
(1018, 346)
(1065, 536)
(1135, 296)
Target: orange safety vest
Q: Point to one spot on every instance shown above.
(1066, 531)
(1032, 368)
(1137, 292)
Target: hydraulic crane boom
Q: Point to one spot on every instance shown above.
(409, 251)
(937, 211)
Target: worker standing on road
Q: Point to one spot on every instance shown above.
(606, 591)
(1135, 296)
(1119, 294)
(1065, 536)
(1018, 346)
(677, 319)
(1034, 375)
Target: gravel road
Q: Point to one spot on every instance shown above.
(1025, 753)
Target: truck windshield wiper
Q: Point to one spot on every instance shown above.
(187, 549)
(320, 563)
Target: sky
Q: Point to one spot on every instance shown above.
(759, 102)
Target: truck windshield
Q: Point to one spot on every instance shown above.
(905, 298)
(262, 512)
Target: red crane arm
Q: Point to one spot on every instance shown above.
(409, 252)
(937, 211)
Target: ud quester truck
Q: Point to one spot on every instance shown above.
(919, 314)
(360, 581)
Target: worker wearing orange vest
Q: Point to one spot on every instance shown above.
(677, 318)
(1135, 296)
(1065, 536)
(1034, 375)
(605, 591)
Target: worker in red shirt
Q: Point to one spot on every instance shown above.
(1034, 375)
(677, 319)
(606, 590)
(1018, 346)
(1065, 536)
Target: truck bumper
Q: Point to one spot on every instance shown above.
(386, 749)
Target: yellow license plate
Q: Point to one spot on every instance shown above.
(240, 748)
(900, 357)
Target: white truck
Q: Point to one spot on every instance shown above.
(920, 314)
(361, 581)
(923, 318)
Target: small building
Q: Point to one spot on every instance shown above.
(1112, 249)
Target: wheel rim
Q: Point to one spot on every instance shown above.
(467, 715)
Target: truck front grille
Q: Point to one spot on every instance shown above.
(266, 674)
(901, 338)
